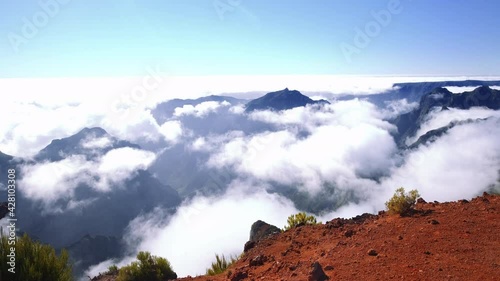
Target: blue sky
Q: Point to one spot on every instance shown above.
(80, 38)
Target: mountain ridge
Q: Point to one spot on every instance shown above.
(74, 144)
(106, 214)
(408, 123)
(413, 91)
(281, 100)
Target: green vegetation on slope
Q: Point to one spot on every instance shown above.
(401, 203)
(298, 220)
(148, 267)
(33, 261)
(220, 265)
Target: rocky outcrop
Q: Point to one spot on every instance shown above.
(261, 229)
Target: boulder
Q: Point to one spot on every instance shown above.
(317, 273)
(261, 230)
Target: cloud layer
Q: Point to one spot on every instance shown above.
(30, 120)
(205, 226)
(49, 182)
(312, 146)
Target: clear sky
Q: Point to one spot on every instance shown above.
(80, 38)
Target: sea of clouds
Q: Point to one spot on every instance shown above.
(348, 144)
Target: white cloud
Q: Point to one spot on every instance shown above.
(200, 110)
(120, 164)
(460, 164)
(50, 181)
(53, 180)
(237, 109)
(438, 118)
(104, 267)
(213, 142)
(436, 96)
(338, 146)
(397, 107)
(171, 131)
(96, 143)
(199, 144)
(459, 90)
(205, 226)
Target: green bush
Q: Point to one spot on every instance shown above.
(148, 267)
(113, 269)
(220, 265)
(299, 219)
(33, 261)
(401, 203)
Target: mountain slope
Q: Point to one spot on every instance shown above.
(409, 123)
(281, 100)
(89, 142)
(414, 91)
(5, 164)
(85, 209)
(91, 250)
(435, 134)
(441, 241)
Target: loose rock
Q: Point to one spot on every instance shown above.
(317, 273)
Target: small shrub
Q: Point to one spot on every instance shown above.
(220, 265)
(34, 261)
(401, 203)
(299, 219)
(113, 269)
(148, 267)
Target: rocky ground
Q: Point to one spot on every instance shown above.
(439, 241)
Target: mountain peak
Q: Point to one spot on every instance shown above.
(94, 131)
(74, 145)
(280, 100)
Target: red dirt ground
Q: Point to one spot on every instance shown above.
(440, 241)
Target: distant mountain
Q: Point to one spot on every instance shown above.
(101, 213)
(4, 157)
(89, 142)
(141, 193)
(5, 163)
(414, 91)
(91, 250)
(435, 134)
(281, 100)
(165, 110)
(409, 123)
(8, 162)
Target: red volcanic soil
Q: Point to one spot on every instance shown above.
(439, 241)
